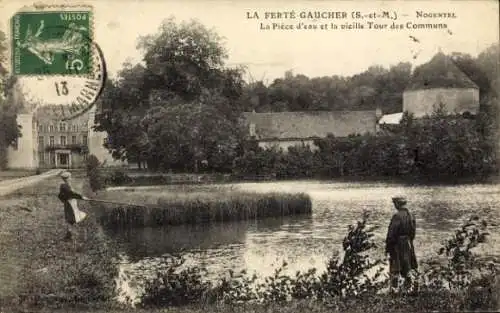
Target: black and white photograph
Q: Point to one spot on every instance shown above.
(249, 156)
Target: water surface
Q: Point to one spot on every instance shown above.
(308, 241)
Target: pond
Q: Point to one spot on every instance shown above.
(260, 246)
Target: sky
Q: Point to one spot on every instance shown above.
(267, 54)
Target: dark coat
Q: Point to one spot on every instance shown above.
(65, 194)
(399, 243)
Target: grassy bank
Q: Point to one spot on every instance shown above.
(379, 304)
(39, 268)
(174, 208)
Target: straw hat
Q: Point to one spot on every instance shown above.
(399, 200)
(65, 175)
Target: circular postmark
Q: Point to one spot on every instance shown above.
(68, 73)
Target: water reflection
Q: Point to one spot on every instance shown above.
(308, 241)
(138, 243)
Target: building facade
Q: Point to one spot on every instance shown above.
(440, 83)
(61, 143)
(437, 84)
(49, 142)
(288, 129)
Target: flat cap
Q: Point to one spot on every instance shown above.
(65, 174)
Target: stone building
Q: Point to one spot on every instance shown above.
(49, 142)
(286, 129)
(437, 83)
(440, 82)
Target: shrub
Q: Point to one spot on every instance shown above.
(407, 150)
(118, 177)
(348, 278)
(462, 271)
(96, 179)
(175, 286)
(458, 269)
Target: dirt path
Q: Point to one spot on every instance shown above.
(10, 185)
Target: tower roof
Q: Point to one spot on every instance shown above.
(440, 72)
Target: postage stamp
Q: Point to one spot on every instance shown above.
(55, 58)
(48, 43)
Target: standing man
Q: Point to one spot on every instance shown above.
(69, 198)
(399, 244)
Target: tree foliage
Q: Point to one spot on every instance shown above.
(436, 148)
(377, 86)
(177, 109)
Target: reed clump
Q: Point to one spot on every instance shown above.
(205, 207)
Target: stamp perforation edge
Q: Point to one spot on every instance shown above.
(54, 8)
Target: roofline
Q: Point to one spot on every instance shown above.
(417, 89)
(302, 139)
(476, 86)
(309, 112)
(286, 139)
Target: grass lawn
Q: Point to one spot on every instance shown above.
(36, 265)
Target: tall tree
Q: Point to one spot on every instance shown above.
(184, 80)
(9, 129)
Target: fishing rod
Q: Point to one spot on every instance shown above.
(115, 202)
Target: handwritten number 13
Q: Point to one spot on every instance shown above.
(62, 88)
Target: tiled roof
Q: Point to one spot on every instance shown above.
(55, 113)
(440, 72)
(311, 124)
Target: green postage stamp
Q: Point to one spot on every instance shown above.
(55, 42)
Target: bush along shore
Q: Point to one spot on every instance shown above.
(208, 208)
(456, 280)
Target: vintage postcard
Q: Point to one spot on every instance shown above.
(249, 156)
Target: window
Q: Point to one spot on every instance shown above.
(52, 156)
(41, 158)
(63, 140)
(62, 127)
(252, 129)
(74, 128)
(40, 142)
(51, 128)
(51, 140)
(85, 139)
(40, 128)
(73, 140)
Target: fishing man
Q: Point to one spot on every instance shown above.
(69, 197)
(399, 244)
